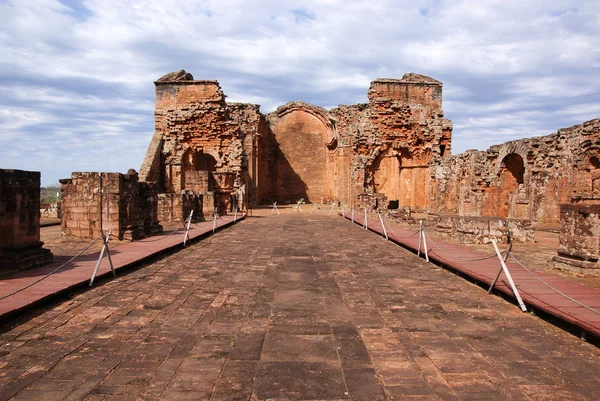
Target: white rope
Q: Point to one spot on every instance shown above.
(52, 272)
(395, 234)
(433, 245)
(554, 289)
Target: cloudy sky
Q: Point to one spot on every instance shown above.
(76, 91)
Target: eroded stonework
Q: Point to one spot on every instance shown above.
(361, 154)
(525, 179)
(20, 245)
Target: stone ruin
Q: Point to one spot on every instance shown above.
(391, 154)
(235, 156)
(20, 245)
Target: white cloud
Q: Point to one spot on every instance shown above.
(76, 81)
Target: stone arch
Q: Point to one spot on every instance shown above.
(205, 162)
(385, 171)
(511, 176)
(195, 170)
(593, 171)
(305, 136)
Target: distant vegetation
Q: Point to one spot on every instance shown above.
(48, 194)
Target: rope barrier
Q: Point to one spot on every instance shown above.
(396, 234)
(553, 288)
(456, 257)
(52, 272)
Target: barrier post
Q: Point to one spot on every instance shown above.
(332, 207)
(343, 211)
(352, 214)
(383, 227)
(509, 277)
(365, 224)
(506, 255)
(215, 213)
(186, 237)
(313, 209)
(424, 242)
(275, 208)
(107, 251)
(298, 207)
(420, 237)
(234, 214)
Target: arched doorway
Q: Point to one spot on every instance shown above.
(511, 175)
(386, 175)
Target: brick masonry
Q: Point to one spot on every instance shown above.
(20, 245)
(579, 247)
(99, 202)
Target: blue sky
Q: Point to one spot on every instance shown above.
(76, 77)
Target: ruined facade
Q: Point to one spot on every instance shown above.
(20, 245)
(235, 156)
(524, 179)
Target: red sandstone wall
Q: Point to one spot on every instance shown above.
(99, 202)
(20, 245)
(19, 207)
(303, 168)
(558, 168)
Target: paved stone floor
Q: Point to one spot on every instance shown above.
(291, 307)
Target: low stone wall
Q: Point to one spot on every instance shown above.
(99, 202)
(482, 230)
(579, 239)
(177, 207)
(51, 210)
(20, 245)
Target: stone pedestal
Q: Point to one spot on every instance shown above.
(20, 245)
(579, 240)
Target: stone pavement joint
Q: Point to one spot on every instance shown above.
(291, 307)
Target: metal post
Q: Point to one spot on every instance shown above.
(107, 251)
(234, 214)
(383, 226)
(332, 207)
(343, 211)
(186, 236)
(365, 224)
(275, 208)
(420, 237)
(215, 221)
(353, 214)
(506, 254)
(509, 277)
(424, 242)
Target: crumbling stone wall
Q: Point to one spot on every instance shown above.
(197, 131)
(579, 246)
(20, 245)
(524, 179)
(100, 202)
(394, 138)
(382, 148)
(177, 207)
(482, 230)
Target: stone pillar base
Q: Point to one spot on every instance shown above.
(586, 268)
(24, 257)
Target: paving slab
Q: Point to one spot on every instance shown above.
(573, 303)
(37, 288)
(291, 307)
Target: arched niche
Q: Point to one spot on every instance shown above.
(593, 169)
(196, 168)
(511, 176)
(386, 174)
(305, 138)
